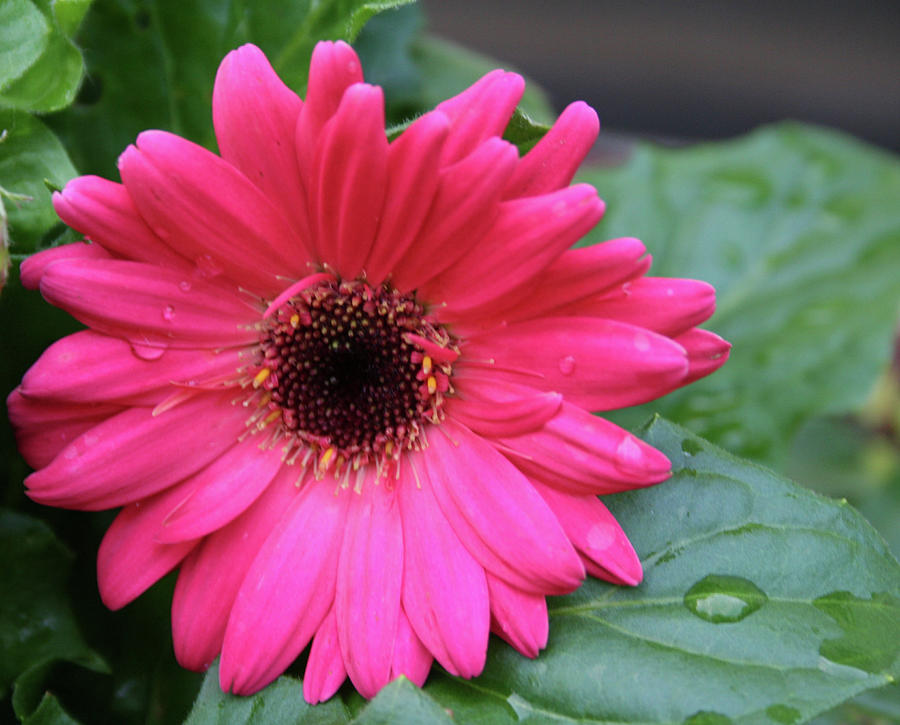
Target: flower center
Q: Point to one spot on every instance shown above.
(351, 373)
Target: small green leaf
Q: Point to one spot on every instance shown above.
(29, 154)
(23, 37)
(49, 712)
(280, 702)
(523, 131)
(36, 624)
(798, 229)
(402, 701)
(51, 80)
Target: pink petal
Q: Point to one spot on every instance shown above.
(202, 206)
(130, 559)
(497, 514)
(222, 491)
(44, 429)
(707, 352)
(103, 211)
(89, 367)
(287, 591)
(574, 275)
(596, 364)
(135, 454)
(445, 593)
(524, 239)
(582, 454)
(464, 207)
(255, 116)
(367, 599)
(351, 171)
(552, 163)
(518, 617)
(148, 305)
(33, 268)
(496, 408)
(596, 534)
(480, 112)
(325, 671)
(211, 575)
(411, 658)
(665, 305)
(412, 181)
(333, 68)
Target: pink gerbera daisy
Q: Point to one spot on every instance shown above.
(343, 383)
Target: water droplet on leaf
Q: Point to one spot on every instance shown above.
(722, 598)
(691, 447)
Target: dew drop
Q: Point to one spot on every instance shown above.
(168, 313)
(184, 286)
(147, 352)
(721, 598)
(626, 289)
(567, 365)
(207, 267)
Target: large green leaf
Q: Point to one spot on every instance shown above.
(29, 154)
(37, 626)
(50, 78)
(761, 602)
(799, 230)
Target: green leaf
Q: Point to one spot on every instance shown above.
(799, 230)
(49, 712)
(761, 602)
(23, 37)
(402, 701)
(36, 624)
(50, 81)
(281, 702)
(29, 154)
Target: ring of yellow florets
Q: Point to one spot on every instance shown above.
(349, 374)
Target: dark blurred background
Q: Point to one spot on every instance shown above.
(684, 70)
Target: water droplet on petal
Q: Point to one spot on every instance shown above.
(567, 365)
(184, 286)
(626, 289)
(721, 598)
(207, 267)
(168, 313)
(147, 352)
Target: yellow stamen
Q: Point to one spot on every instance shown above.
(326, 458)
(270, 418)
(388, 448)
(426, 365)
(261, 377)
(295, 320)
(432, 384)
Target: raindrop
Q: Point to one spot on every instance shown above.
(184, 286)
(147, 352)
(168, 313)
(722, 598)
(207, 267)
(567, 365)
(626, 288)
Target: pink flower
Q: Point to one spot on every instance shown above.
(343, 383)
